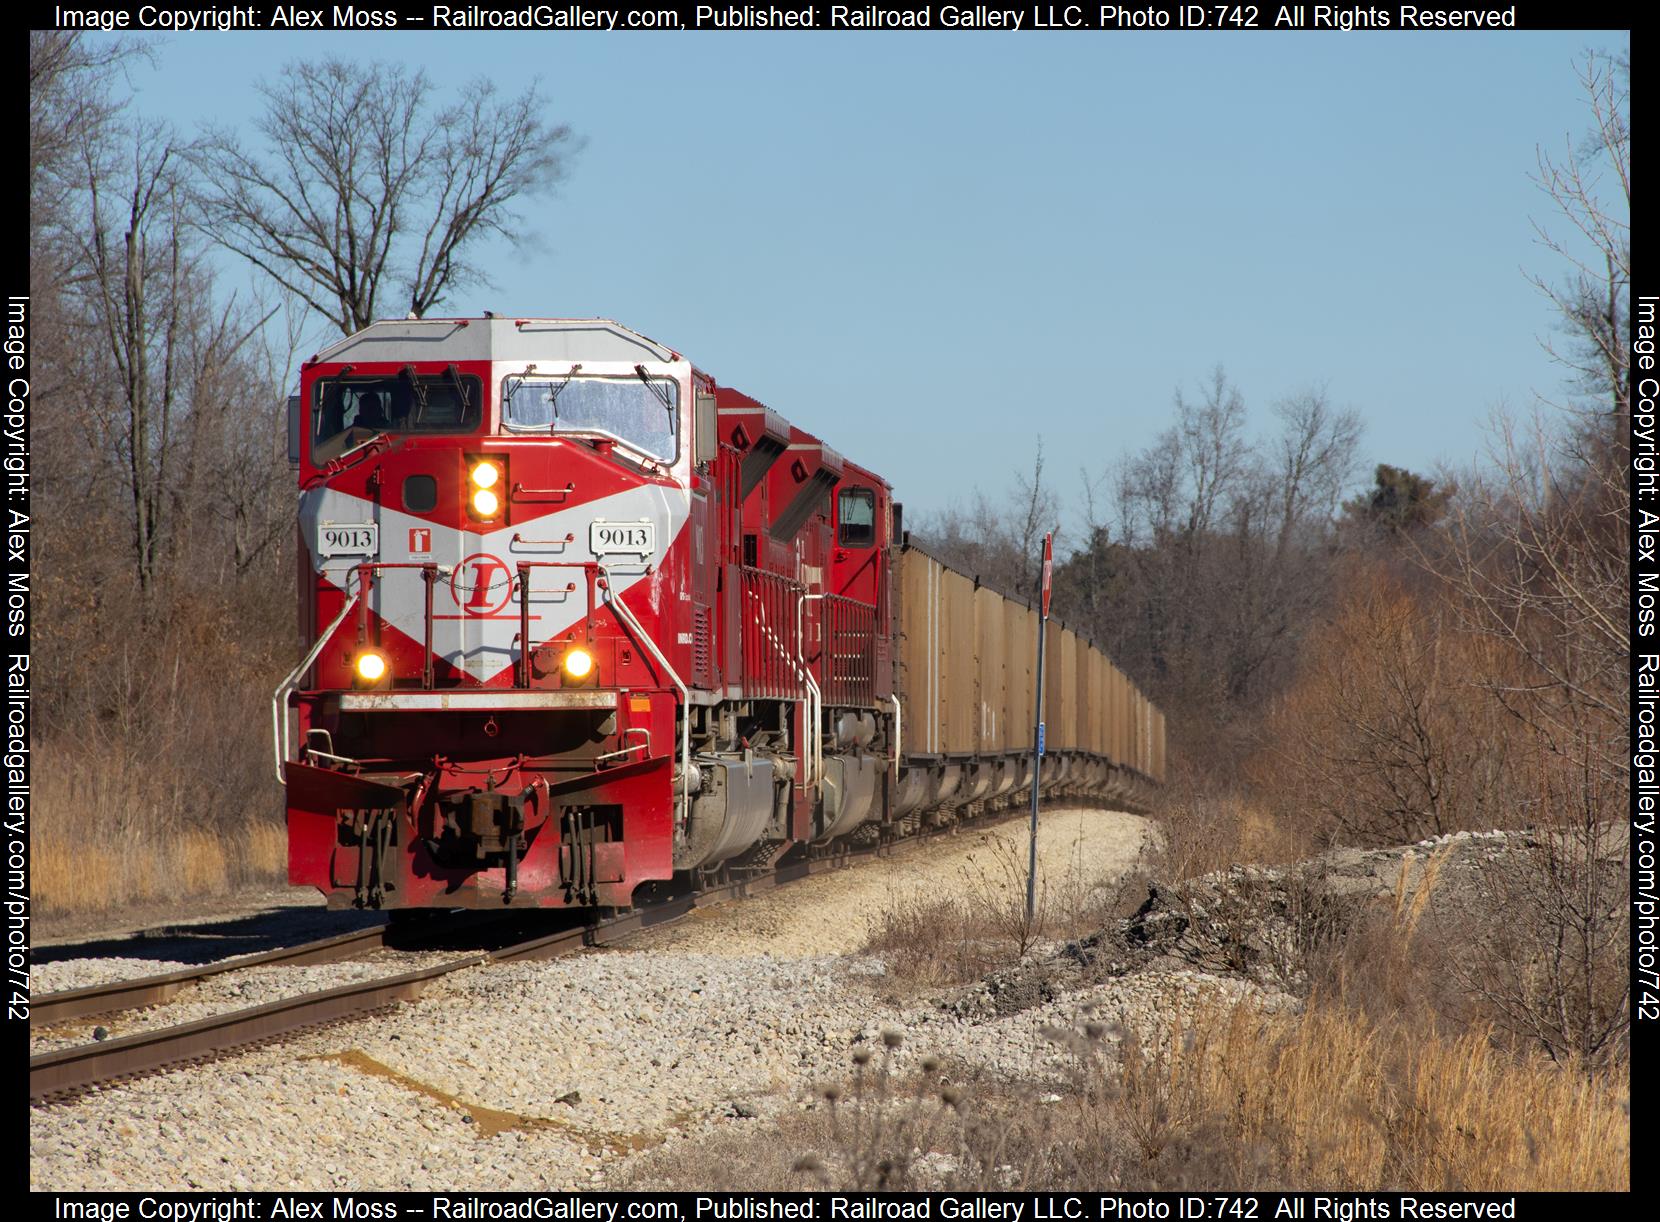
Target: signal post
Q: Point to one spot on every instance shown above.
(1037, 738)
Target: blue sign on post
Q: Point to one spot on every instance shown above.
(1040, 738)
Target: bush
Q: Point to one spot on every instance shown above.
(983, 924)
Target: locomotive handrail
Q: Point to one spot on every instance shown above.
(784, 590)
(592, 569)
(835, 683)
(565, 491)
(897, 721)
(429, 574)
(849, 678)
(365, 577)
(769, 597)
(815, 702)
(631, 748)
(279, 698)
(627, 616)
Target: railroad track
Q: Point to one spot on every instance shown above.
(151, 990)
(67, 1072)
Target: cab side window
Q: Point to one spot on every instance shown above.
(856, 515)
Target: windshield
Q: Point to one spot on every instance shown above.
(348, 411)
(644, 417)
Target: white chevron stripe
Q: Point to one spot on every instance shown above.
(483, 644)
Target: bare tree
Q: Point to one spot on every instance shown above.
(231, 451)
(1537, 558)
(69, 105)
(1206, 557)
(997, 539)
(259, 485)
(1039, 517)
(133, 274)
(1538, 553)
(1536, 561)
(154, 360)
(1220, 541)
(72, 107)
(161, 487)
(1595, 301)
(1314, 459)
(364, 190)
(1284, 564)
(1172, 500)
(1208, 439)
(1385, 737)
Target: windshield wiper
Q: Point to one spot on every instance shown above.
(512, 385)
(455, 376)
(408, 371)
(662, 395)
(554, 392)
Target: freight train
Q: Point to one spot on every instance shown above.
(579, 620)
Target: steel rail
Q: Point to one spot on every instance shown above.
(148, 990)
(69, 1070)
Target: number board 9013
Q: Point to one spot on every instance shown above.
(622, 538)
(348, 539)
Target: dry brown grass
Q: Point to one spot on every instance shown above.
(1204, 831)
(1390, 960)
(1329, 1099)
(1222, 1096)
(151, 736)
(104, 836)
(927, 943)
(267, 850)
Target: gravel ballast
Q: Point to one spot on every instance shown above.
(553, 1075)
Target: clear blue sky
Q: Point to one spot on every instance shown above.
(930, 248)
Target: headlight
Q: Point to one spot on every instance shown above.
(579, 663)
(486, 476)
(370, 666)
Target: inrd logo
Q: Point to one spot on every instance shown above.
(481, 585)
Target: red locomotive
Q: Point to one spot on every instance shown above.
(580, 620)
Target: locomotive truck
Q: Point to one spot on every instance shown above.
(578, 619)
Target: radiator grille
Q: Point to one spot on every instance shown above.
(702, 648)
